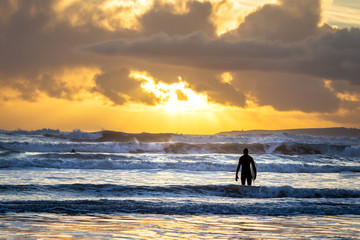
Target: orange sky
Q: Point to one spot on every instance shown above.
(197, 67)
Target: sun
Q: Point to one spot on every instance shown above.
(175, 97)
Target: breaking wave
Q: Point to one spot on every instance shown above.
(130, 163)
(109, 198)
(181, 147)
(103, 206)
(232, 190)
(48, 140)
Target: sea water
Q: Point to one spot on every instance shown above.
(172, 186)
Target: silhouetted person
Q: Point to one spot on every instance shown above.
(73, 151)
(247, 162)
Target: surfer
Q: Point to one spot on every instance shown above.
(248, 170)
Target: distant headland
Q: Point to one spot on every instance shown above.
(326, 132)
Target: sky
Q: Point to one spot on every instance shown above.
(193, 67)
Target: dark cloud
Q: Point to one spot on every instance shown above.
(333, 55)
(54, 88)
(8, 7)
(350, 118)
(288, 21)
(286, 92)
(30, 44)
(110, 85)
(200, 51)
(29, 88)
(219, 91)
(161, 19)
(116, 85)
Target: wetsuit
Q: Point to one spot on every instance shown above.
(245, 160)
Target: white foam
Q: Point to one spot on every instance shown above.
(352, 151)
(272, 148)
(79, 135)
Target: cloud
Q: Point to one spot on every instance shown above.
(108, 15)
(333, 55)
(217, 90)
(35, 48)
(198, 50)
(288, 21)
(119, 88)
(287, 92)
(281, 47)
(40, 38)
(109, 84)
(8, 7)
(161, 19)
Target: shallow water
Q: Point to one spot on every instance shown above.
(144, 226)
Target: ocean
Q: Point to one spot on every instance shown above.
(174, 186)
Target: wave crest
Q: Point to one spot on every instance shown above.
(231, 190)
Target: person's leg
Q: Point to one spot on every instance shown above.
(243, 178)
(249, 180)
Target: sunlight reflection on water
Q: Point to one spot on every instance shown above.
(57, 226)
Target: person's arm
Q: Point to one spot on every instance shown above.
(237, 171)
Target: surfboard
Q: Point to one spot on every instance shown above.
(253, 173)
